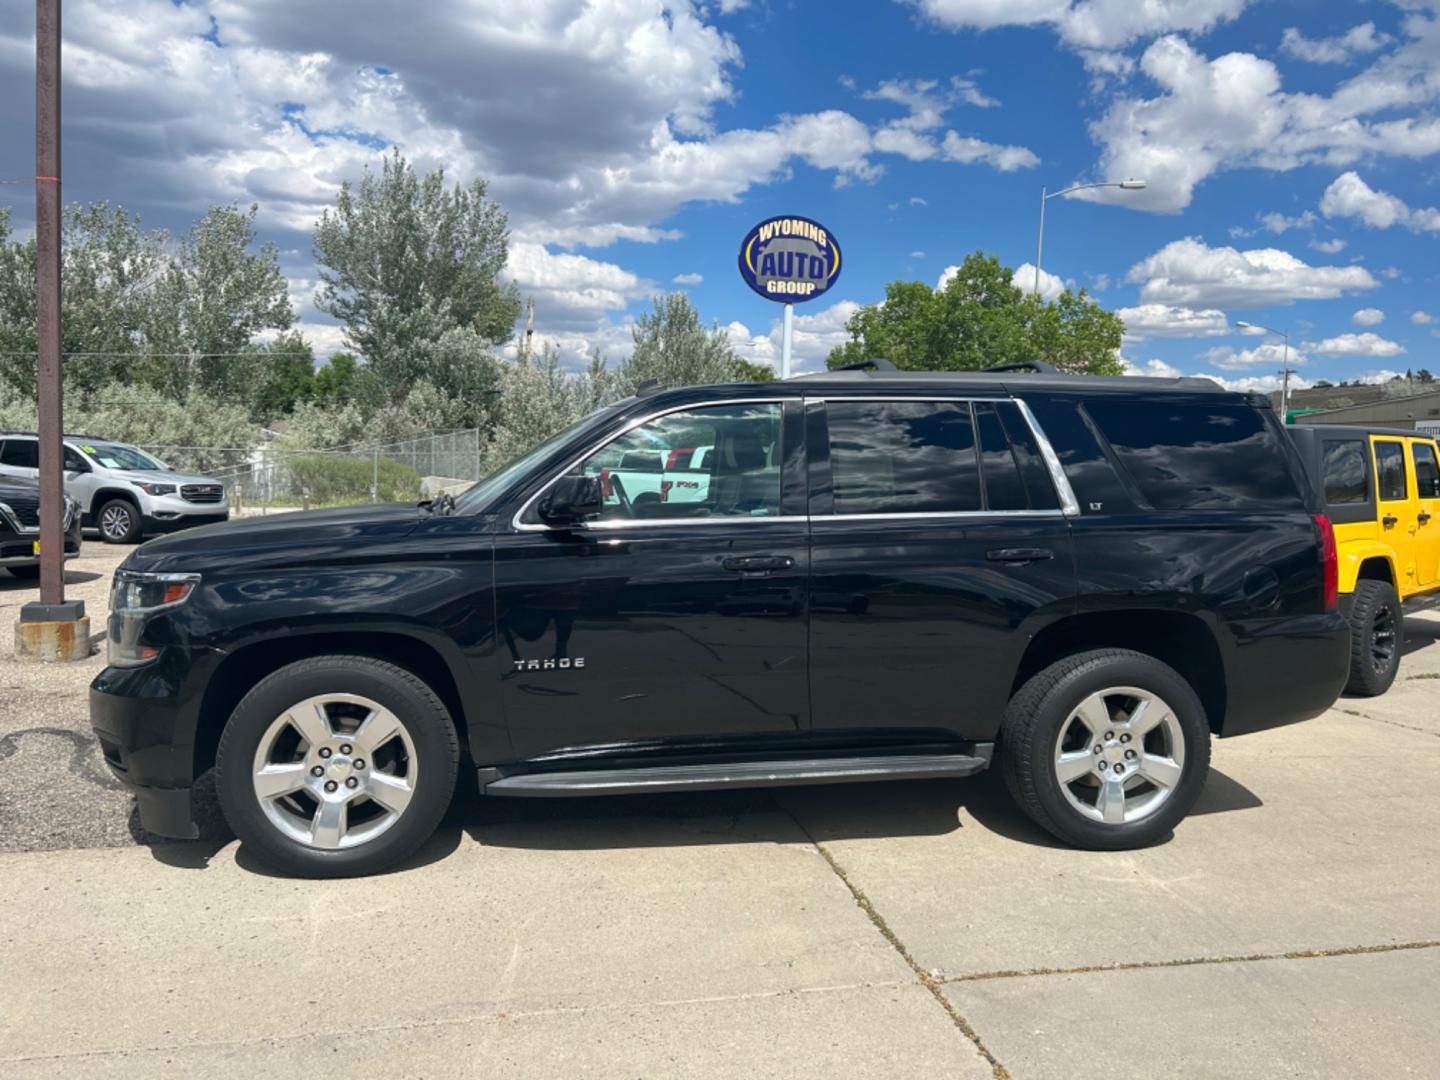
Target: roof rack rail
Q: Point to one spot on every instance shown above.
(648, 387)
(1040, 367)
(875, 364)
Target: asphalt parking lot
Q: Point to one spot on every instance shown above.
(1290, 927)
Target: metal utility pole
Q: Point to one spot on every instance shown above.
(787, 340)
(51, 629)
(1285, 370)
(47, 285)
(1125, 185)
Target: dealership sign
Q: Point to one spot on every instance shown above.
(789, 259)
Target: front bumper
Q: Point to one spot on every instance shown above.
(18, 549)
(168, 522)
(146, 720)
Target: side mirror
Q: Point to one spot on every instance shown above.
(572, 499)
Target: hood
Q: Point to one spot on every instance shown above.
(291, 537)
(160, 476)
(23, 488)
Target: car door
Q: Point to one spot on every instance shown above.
(20, 459)
(1399, 514)
(1427, 517)
(660, 625)
(937, 540)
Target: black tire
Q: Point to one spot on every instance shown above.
(124, 513)
(1377, 629)
(25, 573)
(1033, 724)
(408, 697)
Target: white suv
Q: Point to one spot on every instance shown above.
(122, 491)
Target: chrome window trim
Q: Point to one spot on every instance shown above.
(521, 526)
(1069, 505)
(911, 515)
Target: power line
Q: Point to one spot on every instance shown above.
(253, 353)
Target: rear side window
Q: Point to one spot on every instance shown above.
(1343, 467)
(1427, 471)
(1390, 470)
(20, 454)
(1198, 457)
(1004, 488)
(902, 457)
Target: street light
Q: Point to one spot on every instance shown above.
(1284, 371)
(1126, 185)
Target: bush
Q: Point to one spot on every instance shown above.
(337, 480)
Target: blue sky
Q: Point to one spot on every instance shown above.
(1290, 150)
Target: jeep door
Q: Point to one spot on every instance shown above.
(1427, 517)
(1399, 511)
(663, 625)
(938, 545)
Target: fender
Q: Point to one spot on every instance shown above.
(1355, 553)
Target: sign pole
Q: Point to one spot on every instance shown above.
(787, 340)
(52, 628)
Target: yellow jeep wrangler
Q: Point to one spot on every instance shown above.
(1381, 491)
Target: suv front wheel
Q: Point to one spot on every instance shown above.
(119, 522)
(1106, 749)
(337, 766)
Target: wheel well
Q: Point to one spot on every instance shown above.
(104, 495)
(243, 669)
(1182, 641)
(1376, 569)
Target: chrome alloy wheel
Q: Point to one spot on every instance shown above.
(115, 522)
(1120, 755)
(335, 771)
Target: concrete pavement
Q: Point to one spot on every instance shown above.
(1289, 928)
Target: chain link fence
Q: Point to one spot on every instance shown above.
(264, 477)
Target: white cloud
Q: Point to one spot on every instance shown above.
(1368, 316)
(1231, 112)
(1270, 353)
(1421, 318)
(1348, 196)
(1357, 41)
(968, 150)
(1091, 24)
(1366, 344)
(1278, 223)
(1158, 369)
(1261, 384)
(814, 337)
(687, 279)
(1166, 321)
(1023, 278)
(927, 102)
(1333, 246)
(1191, 274)
(916, 200)
(917, 255)
(572, 290)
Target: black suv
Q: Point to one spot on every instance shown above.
(870, 576)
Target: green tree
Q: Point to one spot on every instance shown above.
(403, 260)
(284, 376)
(673, 347)
(335, 382)
(979, 318)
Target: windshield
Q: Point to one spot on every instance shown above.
(123, 458)
(479, 497)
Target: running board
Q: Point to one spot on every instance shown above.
(749, 774)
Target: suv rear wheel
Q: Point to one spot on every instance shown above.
(337, 766)
(1106, 749)
(1377, 635)
(119, 522)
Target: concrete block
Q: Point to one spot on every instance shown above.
(53, 642)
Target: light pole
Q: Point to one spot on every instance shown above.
(1127, 185)
(1284, 370)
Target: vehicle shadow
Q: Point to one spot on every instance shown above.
(1420, 634)
(820, 813)
(10, 583)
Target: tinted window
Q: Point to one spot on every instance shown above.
(741, 479)
(1427, 471)
(1004, 489)
(20, 454)
(1390, 470)
(1198, 456)
(1086, 466)
(74, 462)
(1039, 488)
(1343, 466)
(890, 457)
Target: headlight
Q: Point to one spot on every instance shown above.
(154, 489)
(134, 598)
